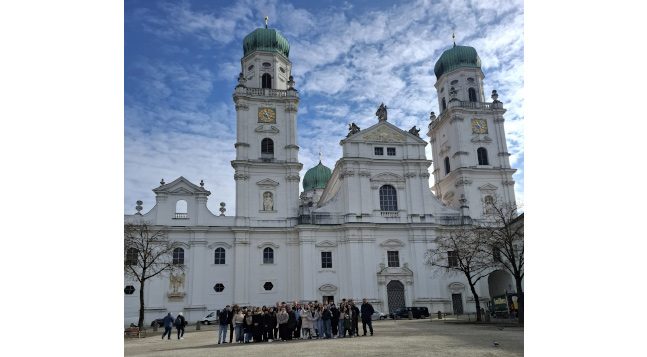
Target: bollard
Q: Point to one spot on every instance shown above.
(487, 317)
(154, 326)
(440, 317)
(410, 314)
(197, 326)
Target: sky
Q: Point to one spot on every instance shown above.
(182, 59)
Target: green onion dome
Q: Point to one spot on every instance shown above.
(316, 177)
(266, 40)
(456, 57)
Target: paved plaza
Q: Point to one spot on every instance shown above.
(392, 338)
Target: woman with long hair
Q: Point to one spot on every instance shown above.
(303, 315)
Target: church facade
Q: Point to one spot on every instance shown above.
(357, 231)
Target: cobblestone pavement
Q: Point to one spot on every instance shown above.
(404, 337)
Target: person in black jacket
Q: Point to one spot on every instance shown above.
(355, 322)
(334, 321)
(248, 325)
(269, 324)
(326, 316)
(257, 322)
(292, 322)
(222, 322)
(180, 326)
(367, 312)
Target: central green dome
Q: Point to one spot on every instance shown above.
(266, 40)
(316, 177)
(456, 57)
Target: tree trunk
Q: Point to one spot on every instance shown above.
(140, 323)
(519, 300)
(478, 303)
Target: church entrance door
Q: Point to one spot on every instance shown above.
(457, 301)
(395, 294)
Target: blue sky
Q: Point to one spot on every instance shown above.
(182, 59)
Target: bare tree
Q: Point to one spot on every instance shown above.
(502, 226)
(461, 250)
(147, 254)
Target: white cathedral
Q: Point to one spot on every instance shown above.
(358, 231)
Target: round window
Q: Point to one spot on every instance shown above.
(250, 67)
(442, 89)
(267, 64)
(470, 80)
(282, 70)
(219, 288)
(454, 82)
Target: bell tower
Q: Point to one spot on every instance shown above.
(469, 150)
(267, 165)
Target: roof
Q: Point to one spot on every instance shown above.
(456, 57)
(266, 40)
(316, 177)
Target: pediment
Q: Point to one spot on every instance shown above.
(219, 244)
(392, 243)
(267, 183)
(384, 132)
(181, 186)
(488, 187)
(268, 244)
(327, 287)
(326, 243)
(387, 177)
(267, 129)
(482, 139)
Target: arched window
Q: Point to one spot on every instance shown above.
(178, 256)
(180, 209)
(219, 256)
(388, 198)
(447, 168)
(132, 256)
(481, 153)
(267, 148)
(444, 104)
(266, 80)
(472, 94)
(268, 256)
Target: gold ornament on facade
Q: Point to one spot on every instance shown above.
(266, 115)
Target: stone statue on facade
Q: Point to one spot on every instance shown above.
(353, 129)
(381, 112)
(175, 281)
(267, 201)
(414, 131)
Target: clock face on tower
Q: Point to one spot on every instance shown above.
(266, 115)
(479, 126)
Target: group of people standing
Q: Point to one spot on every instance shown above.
(286, 322)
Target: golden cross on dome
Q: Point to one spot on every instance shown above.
(265, 18)
(453, 37)
(320, 156)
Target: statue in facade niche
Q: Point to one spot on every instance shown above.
(176, 280)
(414, 131)
(267, 201)
(353, 129)
(381, 112)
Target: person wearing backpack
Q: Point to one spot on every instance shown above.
(168, 326)
(179, 325)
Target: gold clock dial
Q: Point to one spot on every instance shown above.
(479, 126)
(266, 115)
